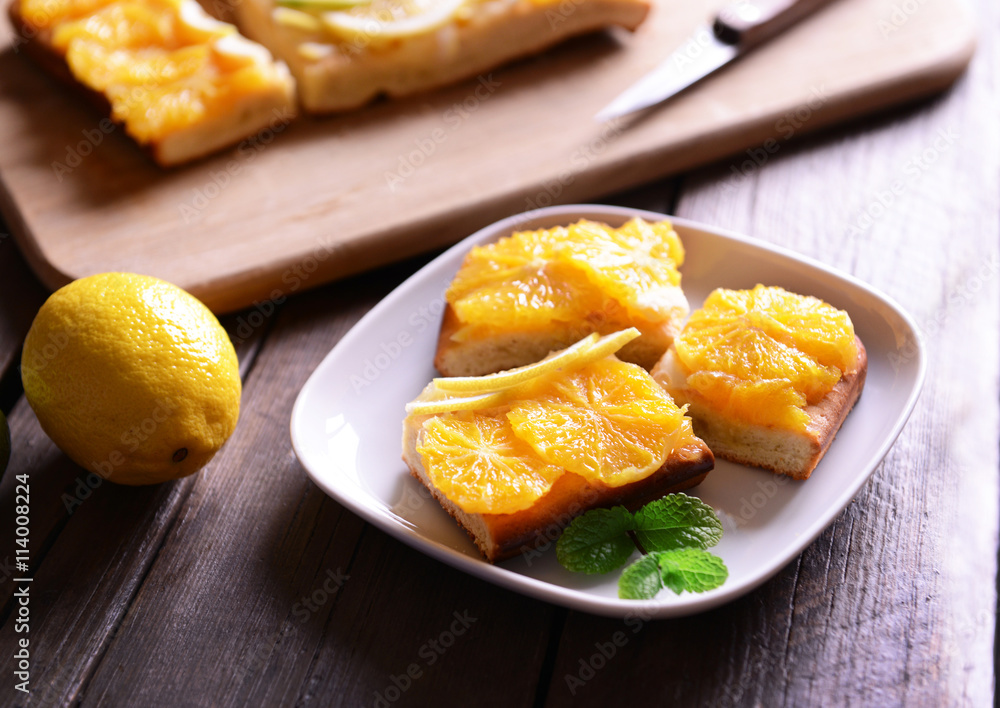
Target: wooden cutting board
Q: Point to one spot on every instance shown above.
(314, 200)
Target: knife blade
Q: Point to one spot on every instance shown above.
(736, 30)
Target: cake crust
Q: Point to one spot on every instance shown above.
(792, 453)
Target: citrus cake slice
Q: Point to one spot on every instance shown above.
(182, 83)
(515, 456)
(768, 376)
(344, 53)
(533, 292)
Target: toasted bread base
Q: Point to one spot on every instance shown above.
(252, 114)
(503, 536)
(787, 452)
(506, 350)
(494, 33)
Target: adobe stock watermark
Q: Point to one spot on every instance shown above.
(90, 140)
(246, 152)
(428, 655)
(414, 498)
(453, 118)
(899, 14)
(294, 279)
(548, 537)
(388, 352)
(750, 505)
(579, 160)
(604, 652)
(911, 171)
(963, 294)
(303, 609)
(131, 440)
(705, 37)
(787, 126)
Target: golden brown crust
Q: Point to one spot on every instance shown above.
(503, 536)
(793, 453)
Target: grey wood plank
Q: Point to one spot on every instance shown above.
(895, 603)
(91, 544)
(410, 631)
(222, 604)
(20, 296)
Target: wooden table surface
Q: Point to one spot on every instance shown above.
(246, 585)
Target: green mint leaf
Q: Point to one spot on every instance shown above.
(677, 521)
(597, 542)
(641, 580)
(690, 569)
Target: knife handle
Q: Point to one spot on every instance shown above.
(747, 23)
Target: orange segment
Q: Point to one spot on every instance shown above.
(134, 73)
(530, 296)
(761, 355)
(587, 274)
(608, 422)
(747, 353)
(479, 464)
(765, 402)
(47, 13)
(164, 65)
(808, 324)
(119, 25)
(634, 264)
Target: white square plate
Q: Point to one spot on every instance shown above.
(346, 426)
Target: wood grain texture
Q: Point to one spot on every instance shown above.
(91, 544)
(403, 177)
(895, 603)
(21, 294)
(256, 537)
(245, 585)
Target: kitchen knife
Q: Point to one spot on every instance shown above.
(737, 29)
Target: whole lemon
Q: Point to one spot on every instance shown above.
(132, 377)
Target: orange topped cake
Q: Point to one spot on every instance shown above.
(182, 83)
(515, 456)
(533, 292)
(769, 376)
(344, 53)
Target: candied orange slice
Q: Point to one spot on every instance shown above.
(765, 402)
(749, 354)
(607, 421)
(163, 65)
(809, 324)
(134, 73)
(121, 25)
(587, 274)
(479, 464)
(516, 282)
(633, 264)
(47, 13)
(499, 451)
(763, 354)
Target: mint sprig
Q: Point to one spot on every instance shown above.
(691, 569)
(677, 521)
(598, 544)
(672, 533)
